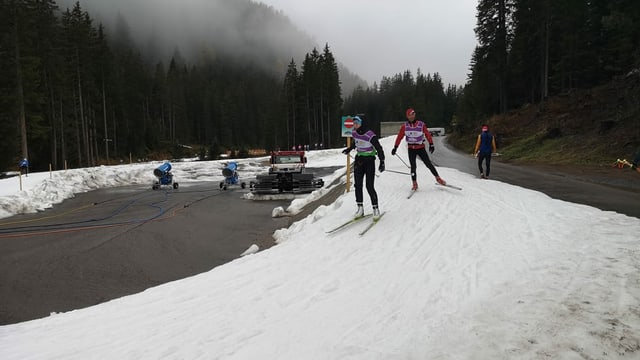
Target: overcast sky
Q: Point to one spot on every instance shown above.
(376, 38)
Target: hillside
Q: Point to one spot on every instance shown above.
(246, 31)
(582, 127)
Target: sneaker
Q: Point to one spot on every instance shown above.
(359, 212)
(482, 176)
(440, 181)
(415, 186)
(376, 213)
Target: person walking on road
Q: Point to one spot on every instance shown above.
(635, 164)
(485, 145)
(24, 166)
(367, 147)
(416, 134)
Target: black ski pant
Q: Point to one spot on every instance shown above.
(365, 166)
(486, 157)
(422, 153)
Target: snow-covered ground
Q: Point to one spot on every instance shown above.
(490, 272)
(42, 190)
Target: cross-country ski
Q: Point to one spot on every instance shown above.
(373, 222)
(348, 223)
(450, 186)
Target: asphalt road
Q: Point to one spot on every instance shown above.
(109, 243)
(607, 188)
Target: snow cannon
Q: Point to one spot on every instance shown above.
(230, 173)
(162, 170)
(164, 175)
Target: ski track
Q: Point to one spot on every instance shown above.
(434, 251)
(445, 253)
(565, 297)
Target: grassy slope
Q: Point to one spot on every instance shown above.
(583, 127)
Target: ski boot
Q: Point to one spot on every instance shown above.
(376, 213)
(360, 212)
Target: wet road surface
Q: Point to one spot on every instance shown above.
(113, 242)
(607, 188)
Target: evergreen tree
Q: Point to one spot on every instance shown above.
(331, 98)
(29, 34)
(291, 95)
(310, 87)
(9, 119)
(494, 31)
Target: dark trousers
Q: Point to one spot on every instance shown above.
(422, 153)
(486, 157)
(365, 166)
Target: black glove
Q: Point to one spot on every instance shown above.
(432, 148)
(346, 151)
(393, 151)
(381, 167)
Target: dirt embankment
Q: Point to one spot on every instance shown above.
(581, 127)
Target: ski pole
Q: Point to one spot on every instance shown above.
(405, 164)
(398, 172)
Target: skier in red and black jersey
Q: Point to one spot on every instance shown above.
(416, 134)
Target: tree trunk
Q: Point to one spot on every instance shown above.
(294, 120)
(308, 112)
(62, 133)
(54, 128)
(77, 128)
(115, 133)
(82, 118)
(93, 137)
(321, 125)
(544, 90)
(20, 93)
(104, 118)
(328, 128)
(502, 61)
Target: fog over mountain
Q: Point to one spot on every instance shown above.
(196, 29)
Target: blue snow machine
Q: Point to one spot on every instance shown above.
(165, 177)
(230, 173)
